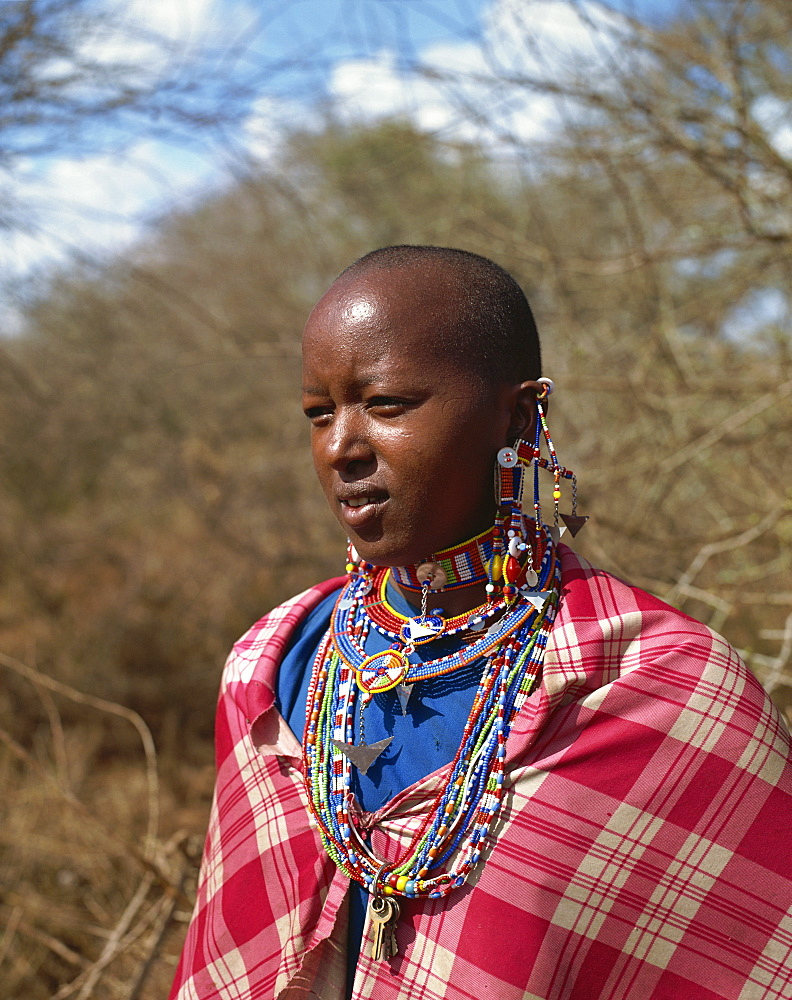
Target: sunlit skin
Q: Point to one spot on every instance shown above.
(399, 424)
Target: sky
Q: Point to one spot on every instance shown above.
(356, 53)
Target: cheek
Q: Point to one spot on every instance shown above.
(454, 467)
(321, 467)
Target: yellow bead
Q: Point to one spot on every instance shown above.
(388, 890)
(401, 881)
(556, 494)
(496, 567)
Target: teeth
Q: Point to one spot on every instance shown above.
(358, 502)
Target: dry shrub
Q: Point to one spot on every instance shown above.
(97, 892)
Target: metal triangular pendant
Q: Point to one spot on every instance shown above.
(556, 533)
(362, 756)
(574, 522)
(404, 691)
(538, 600)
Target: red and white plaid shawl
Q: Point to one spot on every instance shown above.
(643, 849)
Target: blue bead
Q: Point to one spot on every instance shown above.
(410, 887)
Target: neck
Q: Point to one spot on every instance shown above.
(452, 602)
(465, 571)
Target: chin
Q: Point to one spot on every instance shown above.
(385, 552)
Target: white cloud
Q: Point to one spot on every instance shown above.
(178, 20)
(484, 91)
(97, 205)
(759, 311)
(375, 87)
(153, 38)
(94, 206)
(270, 121)
(552, 38)
(774, 116)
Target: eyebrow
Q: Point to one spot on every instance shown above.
(365, 380)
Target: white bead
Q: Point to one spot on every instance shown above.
(507, 458)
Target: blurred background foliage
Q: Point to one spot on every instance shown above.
(157, 495)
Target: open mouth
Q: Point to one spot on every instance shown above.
(360, 507)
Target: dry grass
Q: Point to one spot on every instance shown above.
(96, 891)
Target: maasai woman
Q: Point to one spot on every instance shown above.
(474, 766)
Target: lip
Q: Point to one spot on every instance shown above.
(357, 516)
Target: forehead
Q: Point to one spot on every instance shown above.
(379, 314)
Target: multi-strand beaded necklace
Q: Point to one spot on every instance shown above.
(449, 843)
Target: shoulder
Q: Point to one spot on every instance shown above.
(611, 618)
(265, 641)
(618, 649)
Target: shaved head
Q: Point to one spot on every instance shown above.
(484, 324)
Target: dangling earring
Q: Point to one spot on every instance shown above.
(518, 544)
(574, 521)
(514, 559)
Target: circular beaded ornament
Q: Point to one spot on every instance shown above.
(382, 671)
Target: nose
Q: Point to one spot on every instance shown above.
(345, 447)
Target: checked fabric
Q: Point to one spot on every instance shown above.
(642, 851)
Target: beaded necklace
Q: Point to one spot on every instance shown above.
(461, 565)
(382, 671)
(450, 841)
(392, 625)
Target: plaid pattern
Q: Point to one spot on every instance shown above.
(642, 850)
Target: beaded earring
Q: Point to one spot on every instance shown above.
(517, 548)
(573, 521)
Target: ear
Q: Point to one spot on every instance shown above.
(523, 410)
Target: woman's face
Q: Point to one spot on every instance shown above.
(404, 437)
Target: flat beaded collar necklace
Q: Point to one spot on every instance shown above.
(460, 565)
(397, 666)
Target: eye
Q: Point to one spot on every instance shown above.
(388, 406)
(319, 415)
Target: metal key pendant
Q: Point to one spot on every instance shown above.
(384, 912)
